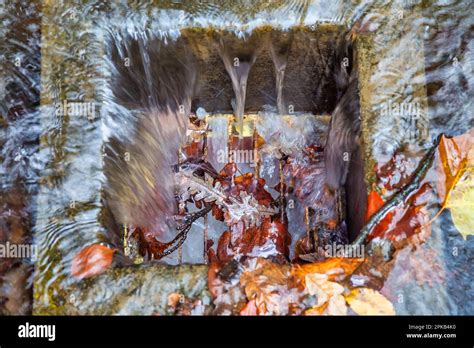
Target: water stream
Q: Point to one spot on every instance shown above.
(280, 58)
(238, 69)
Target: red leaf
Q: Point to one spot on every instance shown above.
(374, 203)
(193, 150)
(217, 213)
(148, 243)
(91, 261)
(213, 282)
(223, 247)
(271, 238)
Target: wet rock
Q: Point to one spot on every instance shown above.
(134, 290)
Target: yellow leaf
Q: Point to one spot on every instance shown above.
(335, 306)
(455, 187)
(365, 301)
(460, 201)
(461, 204)
(330, 300)
(318, 284)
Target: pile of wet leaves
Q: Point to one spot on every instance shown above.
(246, 278)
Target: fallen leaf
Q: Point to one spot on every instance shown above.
(91, 261)
(303, 246)
(335, 267)
(328, 294)
(319, 285)
(173, 299)
(453, 162)
(269, 239)
(193, 149)
(407, 224)
(148, 243)
(270, 285)
(374, 203)
(213, 282)
(454, 158)
(461, 205)
(365, 301)
(460, 199)
(250, 309)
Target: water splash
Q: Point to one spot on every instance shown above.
(155, 90)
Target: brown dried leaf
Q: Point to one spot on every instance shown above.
(268, 284)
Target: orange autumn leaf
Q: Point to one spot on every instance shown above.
(250, 309)
(452, 160)
(374, 203)
(268, 284)
(214, 284)
(335, 267)
(91, 261)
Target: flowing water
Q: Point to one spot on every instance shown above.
(133, 73)
(280, 57)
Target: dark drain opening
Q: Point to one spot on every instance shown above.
(222, 89)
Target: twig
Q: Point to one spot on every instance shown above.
(401, 195)
(184, 229)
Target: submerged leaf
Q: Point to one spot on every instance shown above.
(271, 286)
(91, 261)
(453, 162)
(270, 239)
(374, 203)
